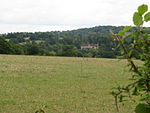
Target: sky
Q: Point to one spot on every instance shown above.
(54, 15)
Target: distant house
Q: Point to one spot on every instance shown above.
(89, 46)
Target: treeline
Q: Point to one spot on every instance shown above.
(66, 43)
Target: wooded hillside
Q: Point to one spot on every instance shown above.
(65, 43)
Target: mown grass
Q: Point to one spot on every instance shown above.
(60, 84)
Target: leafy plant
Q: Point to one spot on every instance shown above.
(40, 111)
(135, 43)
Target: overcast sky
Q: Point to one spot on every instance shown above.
(50, 15)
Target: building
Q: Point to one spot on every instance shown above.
(89, 46)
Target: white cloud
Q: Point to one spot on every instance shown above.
(16, 14)
(35, 28)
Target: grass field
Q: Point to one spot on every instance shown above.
(60, 84)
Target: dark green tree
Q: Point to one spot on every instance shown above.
(5, 47)
(32, 49)
(69, 50)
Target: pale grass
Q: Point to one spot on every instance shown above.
(60, 84)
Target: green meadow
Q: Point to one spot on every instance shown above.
(60, 84)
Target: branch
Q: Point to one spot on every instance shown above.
(135, 69)
(122, 90)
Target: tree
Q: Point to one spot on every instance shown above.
(32, 49)
(139, 46)
(5, 47)
(69, 50)
(17, 49)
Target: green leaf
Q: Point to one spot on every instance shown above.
(142, 108)
(122, 32)
(121, 98)
(147, 17)
(137, 19)
(130, 53)
(113, 93)
(142, 9)
(135, 91)
(127, 28)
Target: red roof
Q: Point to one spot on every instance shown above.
(94, 45)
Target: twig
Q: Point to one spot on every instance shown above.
(133, 66)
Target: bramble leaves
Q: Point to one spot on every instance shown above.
(137, 19)
(142, 108)
(142, 9)
(127, 28)
(138, 16)
(147, 17)
(136, 45)
(122, 32)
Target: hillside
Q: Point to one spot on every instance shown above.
(67, 43)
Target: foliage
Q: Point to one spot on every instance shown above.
(53, 43)
(139, 47)
(68, 50)
(40, 111)
(32, 49)
(5, 47)
(142, 108)
(9, 48)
